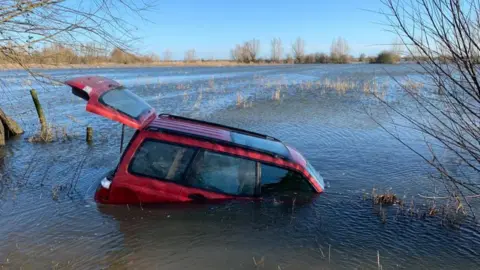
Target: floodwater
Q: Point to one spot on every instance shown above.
(326, 111)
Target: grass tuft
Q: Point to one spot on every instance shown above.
(51, 134)
(386, 199)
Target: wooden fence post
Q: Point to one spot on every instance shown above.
(89, 137)
(41, 115)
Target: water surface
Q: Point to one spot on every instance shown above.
(50, 221)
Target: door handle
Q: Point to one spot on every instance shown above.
(197, 197)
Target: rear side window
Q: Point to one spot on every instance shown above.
(161, 160)
(275, 179)
(223, 173)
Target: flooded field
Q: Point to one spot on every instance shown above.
(49, 220)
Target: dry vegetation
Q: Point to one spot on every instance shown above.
(90, 54)
(442, 36)
(59, 32)
(51, 134)
(385, 57)
(339, 53)
(248, 53)
(450, 211)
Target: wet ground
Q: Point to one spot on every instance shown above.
(325, 111)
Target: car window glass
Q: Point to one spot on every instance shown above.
(223, 173)
(161, 160)
(275, 179)
(260, 143)
(126, 102)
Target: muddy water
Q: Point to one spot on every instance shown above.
(49, 220)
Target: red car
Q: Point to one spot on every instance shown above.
(176, 159)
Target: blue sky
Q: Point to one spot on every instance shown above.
(213, 27)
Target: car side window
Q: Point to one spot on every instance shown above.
(274, 179)
(223, 173)
(161, 160)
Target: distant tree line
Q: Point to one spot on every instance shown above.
(247, 52)
(339, 53)
(92, 53)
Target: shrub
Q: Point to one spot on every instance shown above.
(321, 58)
(362, 57)
(309, 59)
(387, 57)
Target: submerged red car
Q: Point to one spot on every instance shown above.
(176, 159)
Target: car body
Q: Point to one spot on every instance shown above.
(177, 159)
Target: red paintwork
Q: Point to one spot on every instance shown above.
(100, 85)
(192, 128)
(211, 131)
(129, 189)
(296, 156)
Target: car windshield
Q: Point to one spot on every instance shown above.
(125, 102)
(315, 175)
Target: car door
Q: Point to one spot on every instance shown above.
(155, 173)
(214, 175)
(109, 99)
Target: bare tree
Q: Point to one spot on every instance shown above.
(298, 50)
(167, 55)
(247, 52)
(362, 57)
(339, 51)
(277, 50)
(289, 59)
(449, 108)
(29, 25)
(253, 48)
(235, 53)
(190, 55)
(240, 53)
(153, 57)
(397, 46)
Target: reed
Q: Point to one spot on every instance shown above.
(211, 84)
(386, 198)
(240, 100)
(412, 86)
(277, 94)
(50, 134)
(260, 263)
(196, 106)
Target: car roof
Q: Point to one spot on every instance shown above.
(224, 135)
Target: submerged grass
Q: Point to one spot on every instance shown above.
(242, 102)
(51, 134)
(451, 211)
(275, 89)
(386, 199)
(277, 94)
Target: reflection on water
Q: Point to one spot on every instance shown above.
(50, 221)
